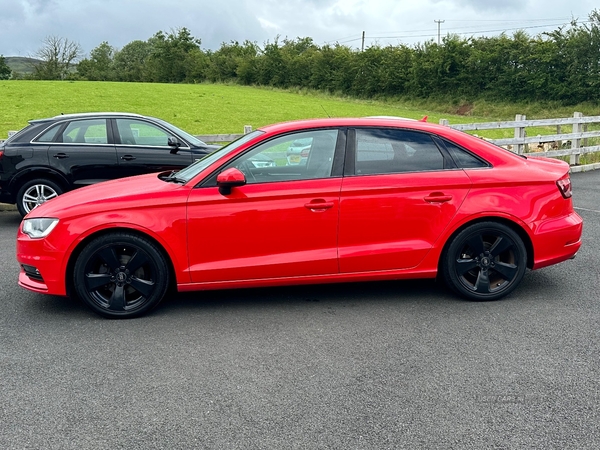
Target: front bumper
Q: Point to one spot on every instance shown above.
(42, 267)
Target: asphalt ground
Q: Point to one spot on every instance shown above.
(354, 366)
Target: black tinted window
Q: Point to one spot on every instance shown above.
(463, 158)
(381, 151)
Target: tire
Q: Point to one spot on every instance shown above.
(35, 192)
(121, 275)
(485, 261)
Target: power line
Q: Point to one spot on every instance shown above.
(406, 34)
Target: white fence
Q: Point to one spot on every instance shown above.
(573, 144)
(218, 138)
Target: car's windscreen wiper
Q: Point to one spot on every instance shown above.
(171, 178)
(175, 180)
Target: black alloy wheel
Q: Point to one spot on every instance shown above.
(485, 261)
(121, 275)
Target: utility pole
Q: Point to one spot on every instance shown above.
(439, 23)
(362, 48)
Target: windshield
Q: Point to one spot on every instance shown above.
(186, 174)
(178, 131)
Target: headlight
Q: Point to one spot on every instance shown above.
(38, 228)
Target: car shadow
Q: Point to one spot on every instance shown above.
(405, 291)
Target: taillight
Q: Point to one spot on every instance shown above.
(1, 153)
(564, 186)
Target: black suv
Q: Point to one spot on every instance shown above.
(54, 155)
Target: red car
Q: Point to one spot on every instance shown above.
(377, 199)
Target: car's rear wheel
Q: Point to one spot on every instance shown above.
(485, 261)
(121, 275)
(35, 192)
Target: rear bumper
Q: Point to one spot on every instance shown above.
(556, 240)
(6, 197)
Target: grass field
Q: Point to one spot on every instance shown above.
(214, 108)
(198, 109)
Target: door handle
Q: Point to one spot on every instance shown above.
(318, 205)
(61, 156)
(437, 197)
(127, 157)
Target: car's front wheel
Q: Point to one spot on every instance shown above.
(121, 275)
(485, 261)
(35, 192)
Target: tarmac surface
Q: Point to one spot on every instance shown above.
(353, 366)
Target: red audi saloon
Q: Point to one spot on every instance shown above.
(377, 199)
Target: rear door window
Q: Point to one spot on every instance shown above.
(383, 151)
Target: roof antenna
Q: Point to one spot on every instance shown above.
(326, 111)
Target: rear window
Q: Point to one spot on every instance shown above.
(16, 135)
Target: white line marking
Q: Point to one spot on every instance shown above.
(585, 209)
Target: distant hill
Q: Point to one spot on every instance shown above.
(21, 64)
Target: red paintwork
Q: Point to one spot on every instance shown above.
(313, 231)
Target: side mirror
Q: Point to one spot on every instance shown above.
(174, 142)
(230, 178)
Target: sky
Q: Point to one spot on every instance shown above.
(25, 24)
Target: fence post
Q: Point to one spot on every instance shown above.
(445, 122)
(520, 133)
(247, 129)
(576, 143)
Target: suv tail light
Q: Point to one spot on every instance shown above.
(564, 186)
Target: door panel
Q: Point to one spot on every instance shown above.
(264, 230)
(391, 221)
(143, 147)
(401, 193)
(83, 153)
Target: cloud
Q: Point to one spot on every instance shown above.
(505, 6)
(26, 23)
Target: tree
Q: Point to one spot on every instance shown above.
(58, 56)
(232, 61)
(172, 54)
(100, 65)
(130, 61)
(5, 71)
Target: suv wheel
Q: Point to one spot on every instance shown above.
(35, 192)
